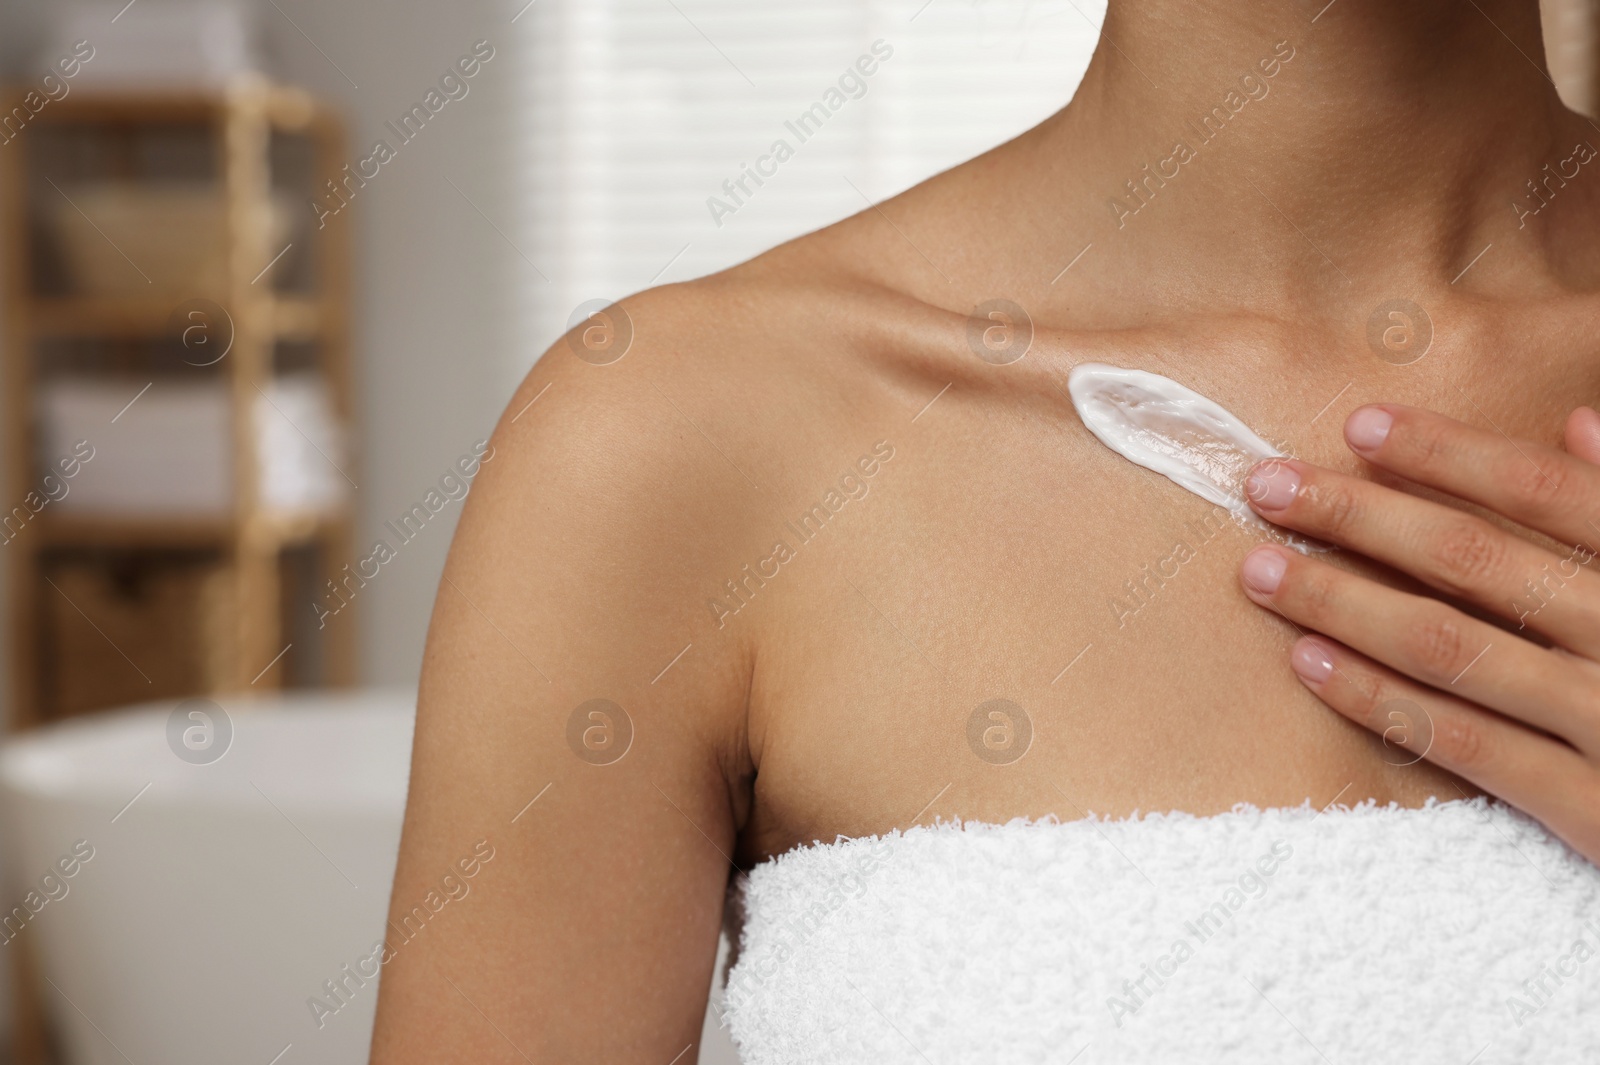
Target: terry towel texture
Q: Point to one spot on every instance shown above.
(1458, 933)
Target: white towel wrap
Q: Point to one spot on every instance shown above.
(1458, 933)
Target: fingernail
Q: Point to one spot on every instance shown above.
(1310, 661)
(1272, 485)
(1368, 428)
(1263, 569)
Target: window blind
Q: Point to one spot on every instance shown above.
(643, 126)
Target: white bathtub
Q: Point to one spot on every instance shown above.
(219, 902)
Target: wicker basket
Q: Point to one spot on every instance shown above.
(124, 239)
(123, 632)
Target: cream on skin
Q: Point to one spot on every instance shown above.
(1161, 425)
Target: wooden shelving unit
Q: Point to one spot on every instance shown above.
(245, 127)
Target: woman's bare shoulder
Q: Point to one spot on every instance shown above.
(728, 374)
(644, 454)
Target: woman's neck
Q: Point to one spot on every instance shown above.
(1319, 160)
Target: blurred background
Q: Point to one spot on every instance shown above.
(270, 271)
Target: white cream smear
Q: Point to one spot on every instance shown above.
(1161, 425)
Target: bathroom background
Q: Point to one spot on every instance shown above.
(240, 407)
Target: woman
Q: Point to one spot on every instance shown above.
(818, 548)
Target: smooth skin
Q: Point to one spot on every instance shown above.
(1516, 712)
(976, 542)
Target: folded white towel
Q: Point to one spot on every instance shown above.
(166, 447)
(1458, 933)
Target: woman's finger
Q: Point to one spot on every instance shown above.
(1534, 485)
(1432, 642)
(1458, 553)
(1542, 776)
(1583, 434)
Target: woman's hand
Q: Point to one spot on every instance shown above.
(1514, 709)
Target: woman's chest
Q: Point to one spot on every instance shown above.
(1025, 629)
(1010, 619)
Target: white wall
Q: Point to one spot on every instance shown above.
(435, 356)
